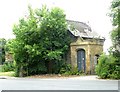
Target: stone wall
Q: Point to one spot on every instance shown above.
(92, 47)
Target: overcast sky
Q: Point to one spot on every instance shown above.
(94, 11)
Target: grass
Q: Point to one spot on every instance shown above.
(11, 74)
(0, 68)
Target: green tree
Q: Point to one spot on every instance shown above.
(115, 34)
(109, 65)
(26, 46)
(41, 41)
(54, 36)
(2, 48)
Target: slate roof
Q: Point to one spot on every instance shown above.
(81, 29)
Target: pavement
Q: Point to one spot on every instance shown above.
(7, 77)
(89, 77)
(91, 82)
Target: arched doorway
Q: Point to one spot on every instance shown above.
(81, 60)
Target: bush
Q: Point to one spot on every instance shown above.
(74, 71)
(31, 69)
(58, 66)
(107, 68)
(0, 68)
(65, 68)
(8, 66)
(68, 70)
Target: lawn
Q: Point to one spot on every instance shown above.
(0, 68)
(11, 73)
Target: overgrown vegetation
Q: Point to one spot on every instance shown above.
(109, 65)
(41, 42)
(8, 66)
(2, 50)
(68, 70)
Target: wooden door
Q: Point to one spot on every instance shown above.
(81, 62)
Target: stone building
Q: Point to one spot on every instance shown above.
(85, 48)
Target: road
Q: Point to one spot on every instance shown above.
(57, 84)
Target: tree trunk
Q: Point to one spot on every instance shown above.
(21, 72)
(50, 67)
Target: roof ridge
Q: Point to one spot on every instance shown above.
(77, 22)
(80, 22)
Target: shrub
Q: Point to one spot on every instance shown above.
(0, 68)
(65, 68)
(57, 66)
(68, 70)
(107, 68)
(8, 66)
(31, 69)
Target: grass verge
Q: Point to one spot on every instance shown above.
(11, 74)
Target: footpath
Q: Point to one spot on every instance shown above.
(88, 77)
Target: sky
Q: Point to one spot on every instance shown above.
(92, 12)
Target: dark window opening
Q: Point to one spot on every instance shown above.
(97, 57)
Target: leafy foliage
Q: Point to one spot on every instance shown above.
(107, 68)
(2, 48)
(8, 66)
(68, 70)
(115, 34)
(54, 36)
(41, 42)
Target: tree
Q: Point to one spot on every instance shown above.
(41, 41)
(115, 34)
(26, 47)
(109, 65)
(54, 36)
(2, 50)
